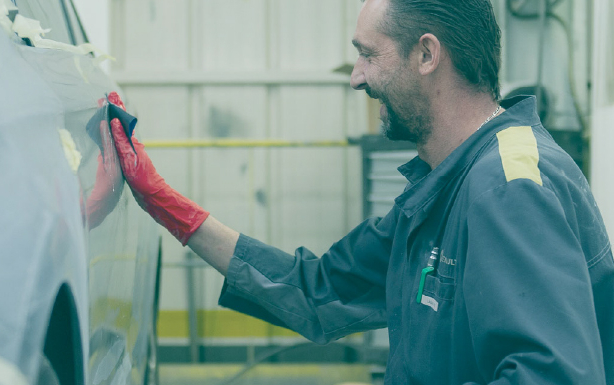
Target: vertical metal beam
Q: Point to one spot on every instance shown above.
(194, 59)
(192, 315)
(346, 130)
(543, 20)
(502, 20)
(118, 34)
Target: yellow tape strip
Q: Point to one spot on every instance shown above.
(217, 323)
(337, 373)
(241, 143)
(519, 154)
(111, 258)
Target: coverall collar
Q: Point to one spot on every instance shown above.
(425, 185)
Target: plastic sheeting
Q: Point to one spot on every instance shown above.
(66, 218)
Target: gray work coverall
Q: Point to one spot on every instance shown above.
(522, 286)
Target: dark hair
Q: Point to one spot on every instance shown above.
(466, 28)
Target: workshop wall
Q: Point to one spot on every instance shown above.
(249, 69)
(602, 134)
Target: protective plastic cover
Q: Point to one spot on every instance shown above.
(66, 219)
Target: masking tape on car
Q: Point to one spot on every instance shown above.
(10, 374)
(102, 58)
(80, 70)
(73, 156)
(31, 29)
(5, 21)
(52, 44)
(83, 49)
(28, 28)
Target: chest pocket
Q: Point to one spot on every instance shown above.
(442, 284)
(439, 287)
(438, 291)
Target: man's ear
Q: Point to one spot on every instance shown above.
(430, 52)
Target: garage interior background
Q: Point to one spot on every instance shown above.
(265, 69)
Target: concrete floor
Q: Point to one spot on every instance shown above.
(269, 374)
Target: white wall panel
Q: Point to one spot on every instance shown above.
(231, 182)
(239, 194)
(210, 285)
(311, 113)
(233, 112)
(352, 9)
(173, 289)
(311, 34)
(309, 184)
(153, 34)
(233, 34)
(310, 197)
(356, 112)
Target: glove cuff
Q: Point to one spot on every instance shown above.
(178, 214)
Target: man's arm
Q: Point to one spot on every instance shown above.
(323, 298)
(528, 292)
(215, 243)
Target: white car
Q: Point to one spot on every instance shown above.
(79, 260)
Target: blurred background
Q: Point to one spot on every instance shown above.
(245, 107)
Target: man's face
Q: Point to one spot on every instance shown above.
(385, 75)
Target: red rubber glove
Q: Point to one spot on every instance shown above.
(108, 186)
(179, 215)
(114, 98)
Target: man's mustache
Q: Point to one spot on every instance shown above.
(372, 94)
(376, 95)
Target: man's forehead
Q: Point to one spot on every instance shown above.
(373, 9)
(369, 20)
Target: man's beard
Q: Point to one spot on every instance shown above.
(414, 125)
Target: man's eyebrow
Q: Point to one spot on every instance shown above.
(361, 47)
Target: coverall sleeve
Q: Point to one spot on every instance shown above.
(323, 299)
(528, 292)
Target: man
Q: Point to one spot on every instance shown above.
(493, 266)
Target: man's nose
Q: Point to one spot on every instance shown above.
(357, 80)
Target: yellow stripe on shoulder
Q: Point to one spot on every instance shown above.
(519, 155)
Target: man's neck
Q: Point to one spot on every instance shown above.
(456, 116)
